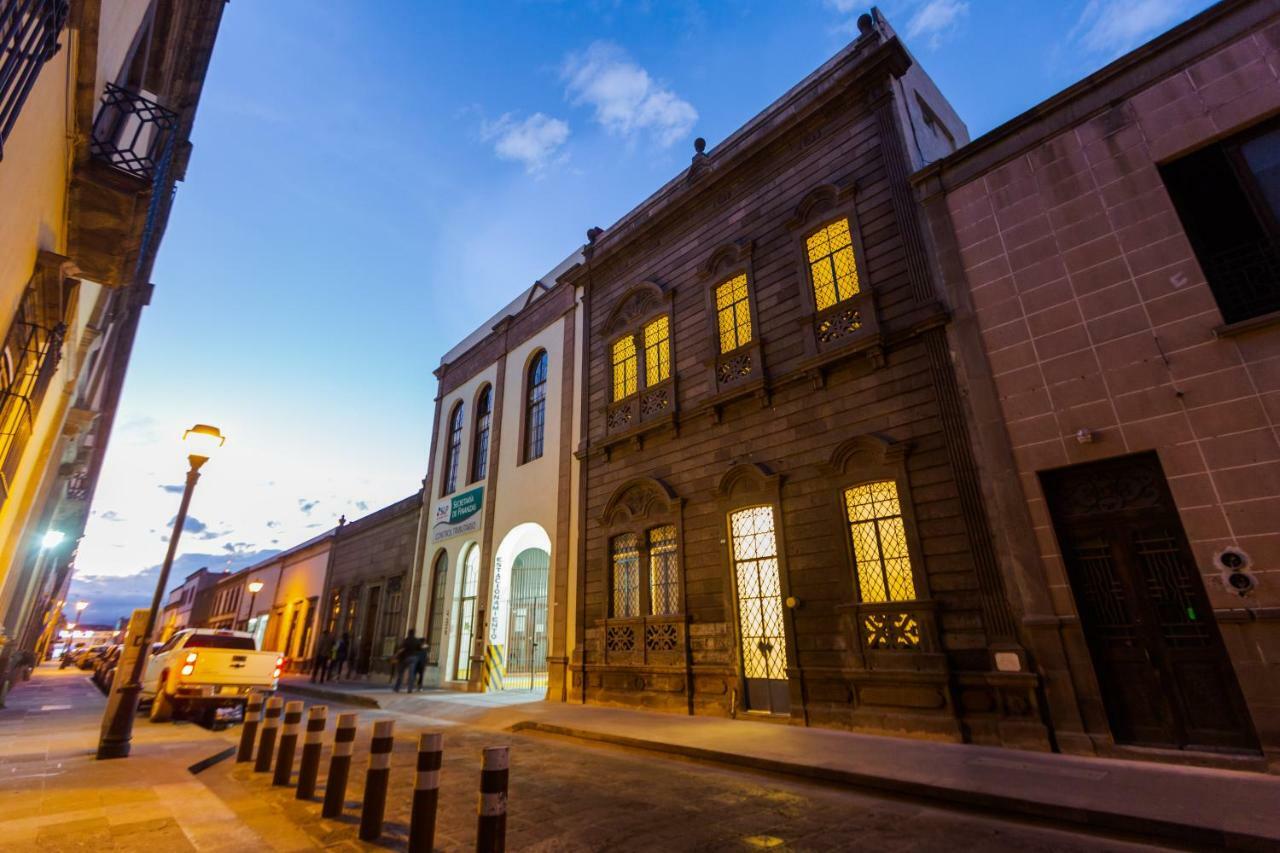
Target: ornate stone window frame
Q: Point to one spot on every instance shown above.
(880, 629)
(650, 407)
(826, 334)
(637, 506)
(741, 371)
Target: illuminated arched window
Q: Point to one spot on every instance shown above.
(480, 442)
(831, 264)
(733, 314)
(625, 369)
(883, 562)
(535, 409)
(453, 451)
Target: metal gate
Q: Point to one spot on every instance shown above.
(527, 624)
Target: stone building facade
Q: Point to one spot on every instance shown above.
(781, 513)
(1113, 260)
(367, 592)
(499, 532)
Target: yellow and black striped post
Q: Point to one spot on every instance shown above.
(288, 744)
(267, 744)
(249, 731)
(375, 780)
(311, 746)
(495, 667)
(491, 828)
(426, 793)
(335, 786)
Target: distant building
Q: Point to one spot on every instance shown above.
(189, 603)
(1112, 258)
(97, 101)
(498, 527)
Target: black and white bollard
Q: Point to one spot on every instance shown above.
(426, 793)
(311, 746)
(249, 731)
(491, 829)
(288, 744)
(267, 743)
(335, 786)
(375, 780)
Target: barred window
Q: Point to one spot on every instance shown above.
(733, 313)
(29, 33)
(831, 263)
(663, 585)
(759, 587)
(435, 622)
(480, 444)
(624, 368)
(453, 451)
(625, 598)
(535, 413)
(880, 552)
(657, 351)
(29, 356)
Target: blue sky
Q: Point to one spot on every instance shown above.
(371, 180)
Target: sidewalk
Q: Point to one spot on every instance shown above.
(1192, 805)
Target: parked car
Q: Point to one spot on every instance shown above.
(87, 658)
(207, 674)
(105, 669)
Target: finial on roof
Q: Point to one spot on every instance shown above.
(593, 234)
(865, 23)
(342, 519)
(700, 145)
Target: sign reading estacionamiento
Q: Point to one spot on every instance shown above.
(458, 514)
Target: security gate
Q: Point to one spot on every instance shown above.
(527, 625)
(1164, 673)
(761, 637)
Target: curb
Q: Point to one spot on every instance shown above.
(332, 695)
(1093, 818)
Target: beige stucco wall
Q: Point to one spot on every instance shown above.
(301, 578)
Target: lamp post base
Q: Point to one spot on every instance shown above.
(117, 735)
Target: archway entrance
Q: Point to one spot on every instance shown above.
(517, 653)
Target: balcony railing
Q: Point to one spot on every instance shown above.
(640, 640)
(133, 133)
(1246, 279)
(29, 31)
(649, 404)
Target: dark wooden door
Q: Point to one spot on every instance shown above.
(1165, 676)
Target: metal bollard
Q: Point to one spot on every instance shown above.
(491, 828)
(249, 731)
(311, 746)
(335, 786)
(426, 793)
(288, 744)
(375, 780)
(267, 744)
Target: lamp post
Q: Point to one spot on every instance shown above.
(255, 587)
(117, 730)
(81, 606)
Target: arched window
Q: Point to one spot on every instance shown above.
(535, 407)
(733, 314)
(435, 622)
(453, 452)
(467, 612)
(480, 442)
(831, 264)
(882, 559)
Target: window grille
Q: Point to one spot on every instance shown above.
(467, 611)
(480, 445)
(663, 585)
(626, 576)
(759, 586)
(28, 361)
(391, 618)
(657, 351)
(29, 31)
(535, 408)
(831, 264)
(435, 622)
(733, 313)
(453, 451)
(880, 552)
(624, 368)
(132, 132)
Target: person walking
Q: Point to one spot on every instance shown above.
(404, 660)
(419, 664)
(340, 651)
(320, 663)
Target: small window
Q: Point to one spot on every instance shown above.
(831, 264)
(733, 314)
(625, 600)
(624, 368)
(883, 563)
(535, 415)
(657, 351)
(480, 444)
(663, 585)
(453, 452)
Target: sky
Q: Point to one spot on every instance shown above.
(371, 181)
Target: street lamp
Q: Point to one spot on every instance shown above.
(52, 539)
(202, 442)
(81, 606)
(255, 587)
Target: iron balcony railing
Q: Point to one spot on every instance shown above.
(29, 32)
(133, 133)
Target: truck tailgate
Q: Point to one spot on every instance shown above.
(232, 667)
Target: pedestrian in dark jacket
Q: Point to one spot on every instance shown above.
(419, 664)
(405, 656)
(320, 663)
(340, 651)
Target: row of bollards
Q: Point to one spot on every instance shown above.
(262, 723)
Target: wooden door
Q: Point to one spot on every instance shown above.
(1164, 673)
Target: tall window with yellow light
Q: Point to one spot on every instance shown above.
(832, 267)
(625, 368)
(657, 351)
(883, 561)
(733, 314)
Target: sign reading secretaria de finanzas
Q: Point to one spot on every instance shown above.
(458, 514)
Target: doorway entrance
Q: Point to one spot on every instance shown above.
(527, 623)
(761, 636)
(1165, 676)
(368, 634)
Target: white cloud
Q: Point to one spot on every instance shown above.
(534, 141)
(625, 98)
(935, 19)
(1112, 27)
(844, 7)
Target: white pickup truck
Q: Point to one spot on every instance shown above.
(207, 674)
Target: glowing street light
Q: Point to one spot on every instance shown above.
(255, 587)
(201, 441)
(81, 606)
(52, 539)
